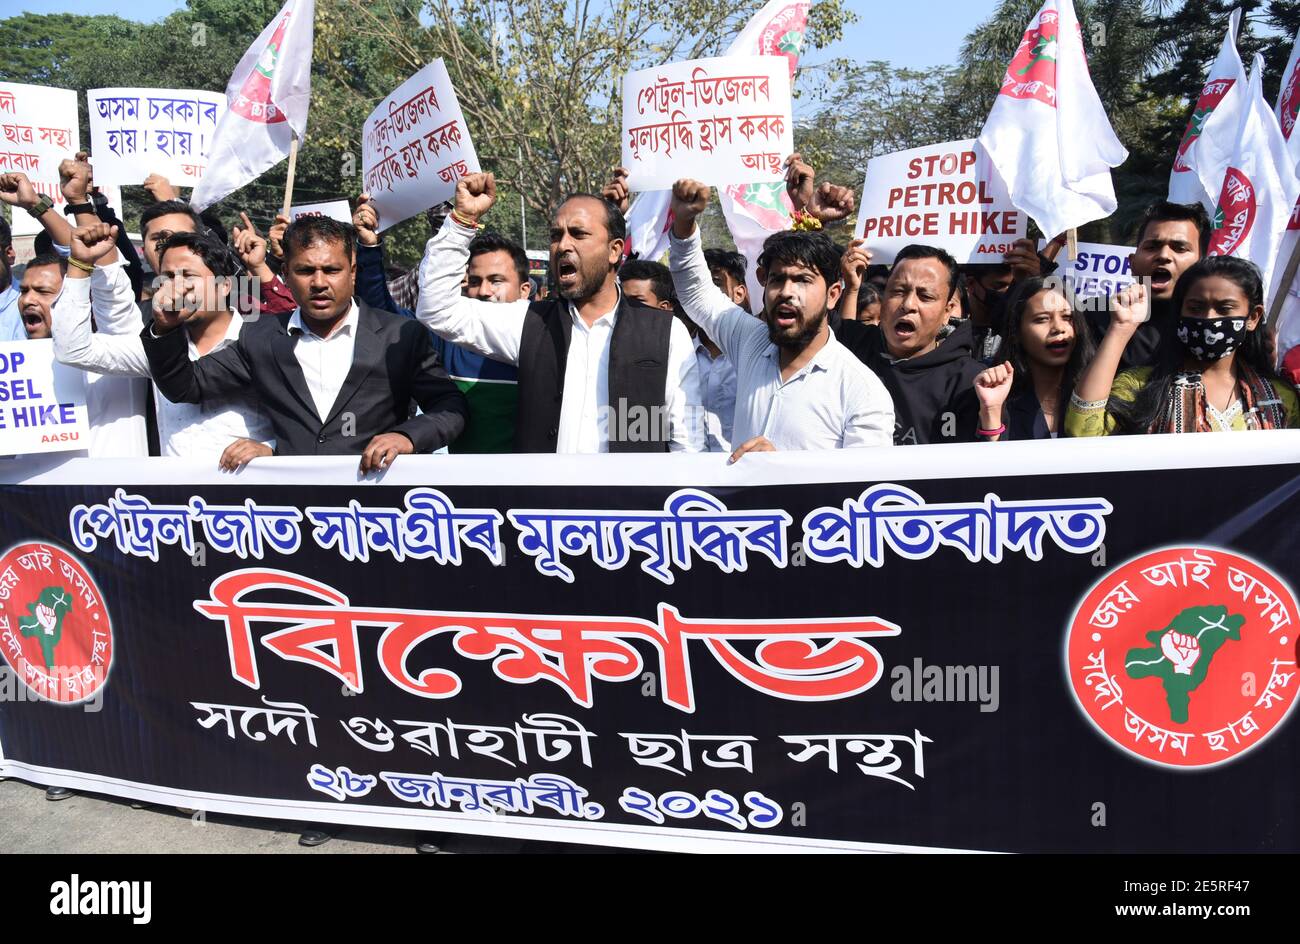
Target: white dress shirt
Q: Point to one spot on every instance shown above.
(717, 397)
(495, 329)
(194, 430)
(325, 362)
(832, 402)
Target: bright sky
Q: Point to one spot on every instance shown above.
(911, 34)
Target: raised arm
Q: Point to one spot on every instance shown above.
(111, 350)
(180, 380)
(726, 324)
(1129, 308)
(493, 329)
(372, 282)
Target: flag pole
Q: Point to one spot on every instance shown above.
(1284, 287)
(288, 180)
(1072, 243)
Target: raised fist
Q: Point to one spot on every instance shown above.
(93, 242)
(616, 191)
(366, 221)
(832, 203)
(47, 618)
(173, 304)
(475, 194)
(17, 190)
(75, 177)
(1180, 649)
(992, 386)
(1130, 307)
(690, 197)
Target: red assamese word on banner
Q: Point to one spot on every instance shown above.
(799, 660)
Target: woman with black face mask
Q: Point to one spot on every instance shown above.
(1214, 373)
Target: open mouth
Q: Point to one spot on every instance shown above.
(1161, 279)
(1058, 347)
(904, 329)
(785, 317)
(566, 272)
(32, 319)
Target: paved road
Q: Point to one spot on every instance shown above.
(94, 824)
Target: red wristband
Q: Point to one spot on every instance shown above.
(991, 432)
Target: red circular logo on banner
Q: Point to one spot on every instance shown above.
(54, 626)
(1186, 657)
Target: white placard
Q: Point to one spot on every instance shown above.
(415, 147)
(946, 195)
(1099, 269)
(38, 129)
(42, 402)
(135, 132)
(334, 209)
(720, 121)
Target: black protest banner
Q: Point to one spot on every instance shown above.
(1076, 646)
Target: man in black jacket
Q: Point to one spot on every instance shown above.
(335, 377)
(1171, 238)
(929, 374)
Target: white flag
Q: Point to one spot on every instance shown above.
(1048, 134)
(1288, 105)
(753, 211)
(1259, 186)
(756, 211)
(1288, 101)
(1208, 142)
(268, 95)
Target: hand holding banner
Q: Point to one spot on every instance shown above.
(416, 145)
(730, 118)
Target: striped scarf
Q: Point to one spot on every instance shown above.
(1185, 409)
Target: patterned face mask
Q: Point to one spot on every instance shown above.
(1211, 339)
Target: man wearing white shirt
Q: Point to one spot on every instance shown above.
(796, 386)
(231, 429)
(597, 372)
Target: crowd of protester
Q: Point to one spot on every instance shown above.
(227, 346)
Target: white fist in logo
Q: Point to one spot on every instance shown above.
(1180, 649)
(47, 618)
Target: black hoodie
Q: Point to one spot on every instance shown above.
(934, 394)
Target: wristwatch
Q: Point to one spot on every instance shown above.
(72, 209)
(42, 206)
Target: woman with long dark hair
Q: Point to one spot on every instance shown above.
(1046, 345)
(1214, 373)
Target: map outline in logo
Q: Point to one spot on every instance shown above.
(1118, 629)
(52, 608)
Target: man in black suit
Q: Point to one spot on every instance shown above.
(335, 377)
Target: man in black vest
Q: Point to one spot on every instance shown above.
(598, 372)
